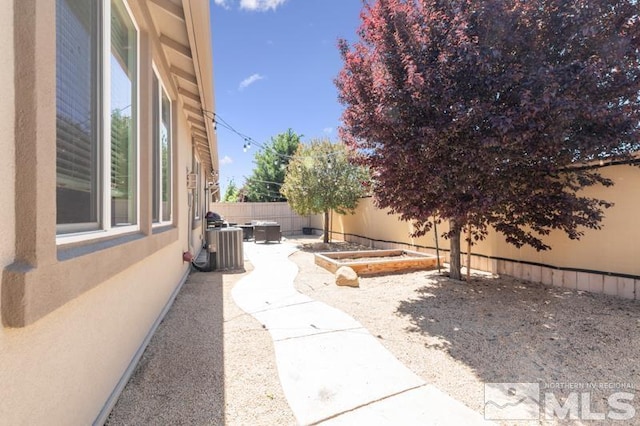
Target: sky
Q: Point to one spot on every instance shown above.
(274, 63)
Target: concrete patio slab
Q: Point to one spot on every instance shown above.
(258, 294)
(423, 406)
(332, 370)
(327, 374)
(257, 298)
(310, 318)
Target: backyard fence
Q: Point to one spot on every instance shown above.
(290, 222)
(602, 261)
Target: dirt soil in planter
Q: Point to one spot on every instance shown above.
(377, 258)
(459, 336)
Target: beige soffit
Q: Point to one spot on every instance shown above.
(183, 29)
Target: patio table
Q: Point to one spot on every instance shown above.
(266, 233)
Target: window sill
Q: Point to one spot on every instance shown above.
(87, 247)
(30, 292)
(160, 228)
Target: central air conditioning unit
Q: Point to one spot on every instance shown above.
(225, 248)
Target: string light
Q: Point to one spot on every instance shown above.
(219, 121)
(269, 183)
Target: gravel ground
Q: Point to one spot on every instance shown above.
(459, 335)
(178, 379)
(209, 363)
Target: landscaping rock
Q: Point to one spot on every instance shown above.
(345, 276)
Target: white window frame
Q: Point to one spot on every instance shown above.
(104, 150)
(156, 145)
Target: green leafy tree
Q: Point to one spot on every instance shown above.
(232, 192)
(271, 163)
(320, 177)
(242, 195)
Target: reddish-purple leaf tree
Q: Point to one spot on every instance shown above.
(485, 112)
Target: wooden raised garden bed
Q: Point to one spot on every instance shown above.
(376, 261)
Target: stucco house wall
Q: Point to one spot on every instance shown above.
(76, 317)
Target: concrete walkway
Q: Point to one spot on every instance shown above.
(332, 370)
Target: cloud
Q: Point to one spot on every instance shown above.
(252, 5)
(226, 160)
(249, 81)
(223, 3)
(261, 5)
(328, 130)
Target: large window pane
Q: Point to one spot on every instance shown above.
(155, 152)
(123, 90)
(161, 154)
(77, 112)
(165, 144)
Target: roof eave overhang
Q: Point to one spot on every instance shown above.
(198, 26)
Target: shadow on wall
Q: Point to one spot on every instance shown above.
(180, 377)
(515, 331)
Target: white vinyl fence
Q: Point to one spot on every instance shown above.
(290, 222)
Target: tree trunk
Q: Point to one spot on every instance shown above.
(454, 262)
(326, 226)
(435, 234)
(469, 252)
